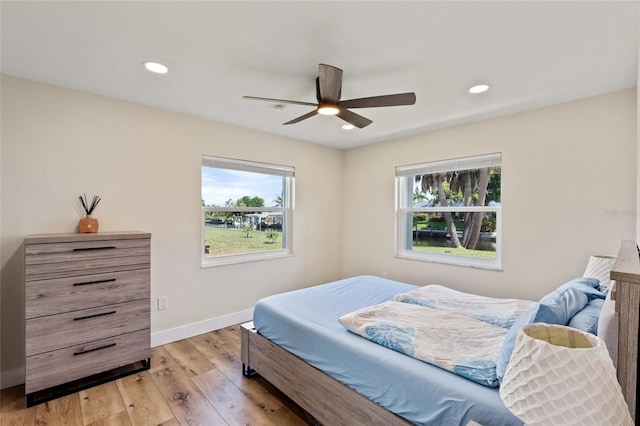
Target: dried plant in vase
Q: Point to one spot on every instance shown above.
(88, 224)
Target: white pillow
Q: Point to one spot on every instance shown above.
(599, 267)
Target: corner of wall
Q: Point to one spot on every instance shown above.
(638, 143)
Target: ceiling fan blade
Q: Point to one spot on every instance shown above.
(353, 118)
(280, 101)
(329, 83)
(302, 117)
(380, 101)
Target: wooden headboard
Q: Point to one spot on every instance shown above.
(626, 273)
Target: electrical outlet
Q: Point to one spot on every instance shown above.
(162, 303)
(385, 275)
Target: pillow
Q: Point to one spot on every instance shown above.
(608, 325)
(561, 305)
(589, 286)
(587, 319)
(557, 307)
(599, 267)
(510, 340)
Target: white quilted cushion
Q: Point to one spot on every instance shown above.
(599, 267)
(562, 376)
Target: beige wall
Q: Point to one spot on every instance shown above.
(145, 164)
(569, 190)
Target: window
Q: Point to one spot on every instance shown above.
(450, 211)
(246, 211)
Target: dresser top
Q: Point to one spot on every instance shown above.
(74, 237)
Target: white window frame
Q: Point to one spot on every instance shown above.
(286, 210)
(405, 210)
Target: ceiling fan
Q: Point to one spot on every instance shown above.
(328, 90)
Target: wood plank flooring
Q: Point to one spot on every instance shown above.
(196, 381)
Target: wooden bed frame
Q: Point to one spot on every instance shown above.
(326, 399)
(332, 403)
(626, 273)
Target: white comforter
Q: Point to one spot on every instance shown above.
(500, 312)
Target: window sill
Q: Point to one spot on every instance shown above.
(243, 258)
(490, 265)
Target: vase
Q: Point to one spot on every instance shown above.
(88, 224)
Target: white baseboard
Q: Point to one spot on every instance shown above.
(193, 329)
(11, 378)
(15, 377)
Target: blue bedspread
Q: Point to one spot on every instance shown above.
(305, 323)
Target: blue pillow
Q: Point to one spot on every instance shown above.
(560, 306)
(587, 319)
(589, 286)
(557, 307)
(510, 340)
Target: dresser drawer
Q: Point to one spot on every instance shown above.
(52, 368)
(44, 261)
(55, 296)
(53, 332)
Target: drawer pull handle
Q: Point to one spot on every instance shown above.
(94, 349)
(94, 248)
(93, 316)
(110, 280)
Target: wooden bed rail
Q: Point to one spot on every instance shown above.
(326, 399)
(626, 273)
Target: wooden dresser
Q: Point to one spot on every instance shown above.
(87, 310)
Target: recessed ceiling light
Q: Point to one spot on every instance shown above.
(348, 127)
(155, 67)
(480, 88)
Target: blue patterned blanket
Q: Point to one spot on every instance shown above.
(445, 338)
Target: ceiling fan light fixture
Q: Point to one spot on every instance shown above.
(348, 127)
(328, 92)
(155, 67)
(328, 109)
(479, 88)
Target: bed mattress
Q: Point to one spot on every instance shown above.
(305, 323)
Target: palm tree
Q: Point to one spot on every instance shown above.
(451, 226)
(418, 196)
(434, 183)
(248, 227)
(470, 184)
(272, 237)
(473, 221)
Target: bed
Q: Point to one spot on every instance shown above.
(298, 344)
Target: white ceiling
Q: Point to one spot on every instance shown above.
(532, 54)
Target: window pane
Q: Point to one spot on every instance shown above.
(246, 211)
(239, 233)
(449, 233)
(223, 187)
(458, 188)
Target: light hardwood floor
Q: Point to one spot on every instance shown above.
(196, 381)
